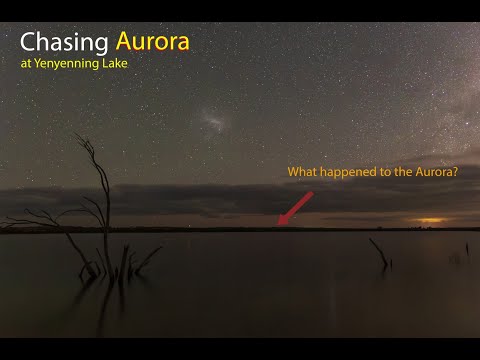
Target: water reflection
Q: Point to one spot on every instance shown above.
(77, 300)
(106, 301)
(287, 285)
(121, 297)
(101, 318)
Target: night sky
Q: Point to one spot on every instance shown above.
(204, 137)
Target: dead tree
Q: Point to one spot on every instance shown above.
(43, 218)
(385, 263)
(103, 216)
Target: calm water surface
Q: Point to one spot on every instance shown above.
(247, 285)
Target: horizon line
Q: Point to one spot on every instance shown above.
(178, 229)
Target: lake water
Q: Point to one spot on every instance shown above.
(247, 285)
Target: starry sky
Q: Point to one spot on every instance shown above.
(204, 137)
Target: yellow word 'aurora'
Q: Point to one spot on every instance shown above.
(159, 43)
(434, 172)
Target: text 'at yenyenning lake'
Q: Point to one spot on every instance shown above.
(40, 63)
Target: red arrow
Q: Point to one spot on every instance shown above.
(283, 219)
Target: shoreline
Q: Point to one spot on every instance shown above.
(142, 230)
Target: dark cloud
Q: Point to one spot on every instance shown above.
(360, 218)
(359, 195)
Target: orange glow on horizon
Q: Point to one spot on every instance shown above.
(431, 220)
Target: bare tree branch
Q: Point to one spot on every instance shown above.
(14, 221)
(147, 260)
(83, 209)
(66, 212)
(53, 223)
(46, 216)
(105, 215)
(91, 212)
(6, 225)
(98, 208)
